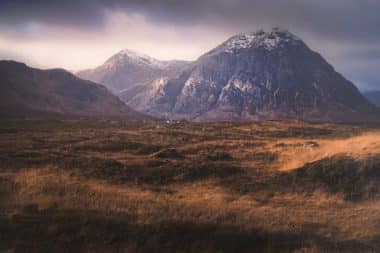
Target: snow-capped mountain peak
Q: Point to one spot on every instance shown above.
(127, 69)
(256, 75)
(268, 40)
(127, 55)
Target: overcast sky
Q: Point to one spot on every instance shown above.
(78, 34)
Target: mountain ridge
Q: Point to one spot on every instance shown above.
(27, 91)
(373, 96)
(127, 69)
(254, 76)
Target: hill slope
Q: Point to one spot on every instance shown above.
(373, 96)
(26, 91)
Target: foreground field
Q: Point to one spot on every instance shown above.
(109, 186)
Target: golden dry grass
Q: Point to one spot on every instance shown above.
(297, 153)
(137, 187)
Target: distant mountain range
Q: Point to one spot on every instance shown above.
(251, 76)
(373, 96)
(26, 91)
(128, 69)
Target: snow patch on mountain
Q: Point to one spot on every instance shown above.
(243, 86)
(268, 40)
(162, 81)
(127, 55)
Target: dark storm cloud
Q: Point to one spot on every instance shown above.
(347, 19)
(86, 13)
(345, 31)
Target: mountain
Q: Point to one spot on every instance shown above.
(373, 96)
(26, 91)
(253, 76)
(128, 69)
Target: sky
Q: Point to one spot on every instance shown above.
(80, 34)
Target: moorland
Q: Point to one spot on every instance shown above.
(116, 186)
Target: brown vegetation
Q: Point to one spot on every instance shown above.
(111, 186)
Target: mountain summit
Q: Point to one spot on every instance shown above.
(277, 38)
(128, 69)
(252, 76)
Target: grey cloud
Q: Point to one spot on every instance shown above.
(346, 19)
(81, 13)
(351, 24)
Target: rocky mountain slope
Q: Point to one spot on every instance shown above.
(373, 96)
(261, 75)
(26, 91)
(253, 76)
(128, 69)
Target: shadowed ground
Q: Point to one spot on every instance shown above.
(111, 186)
